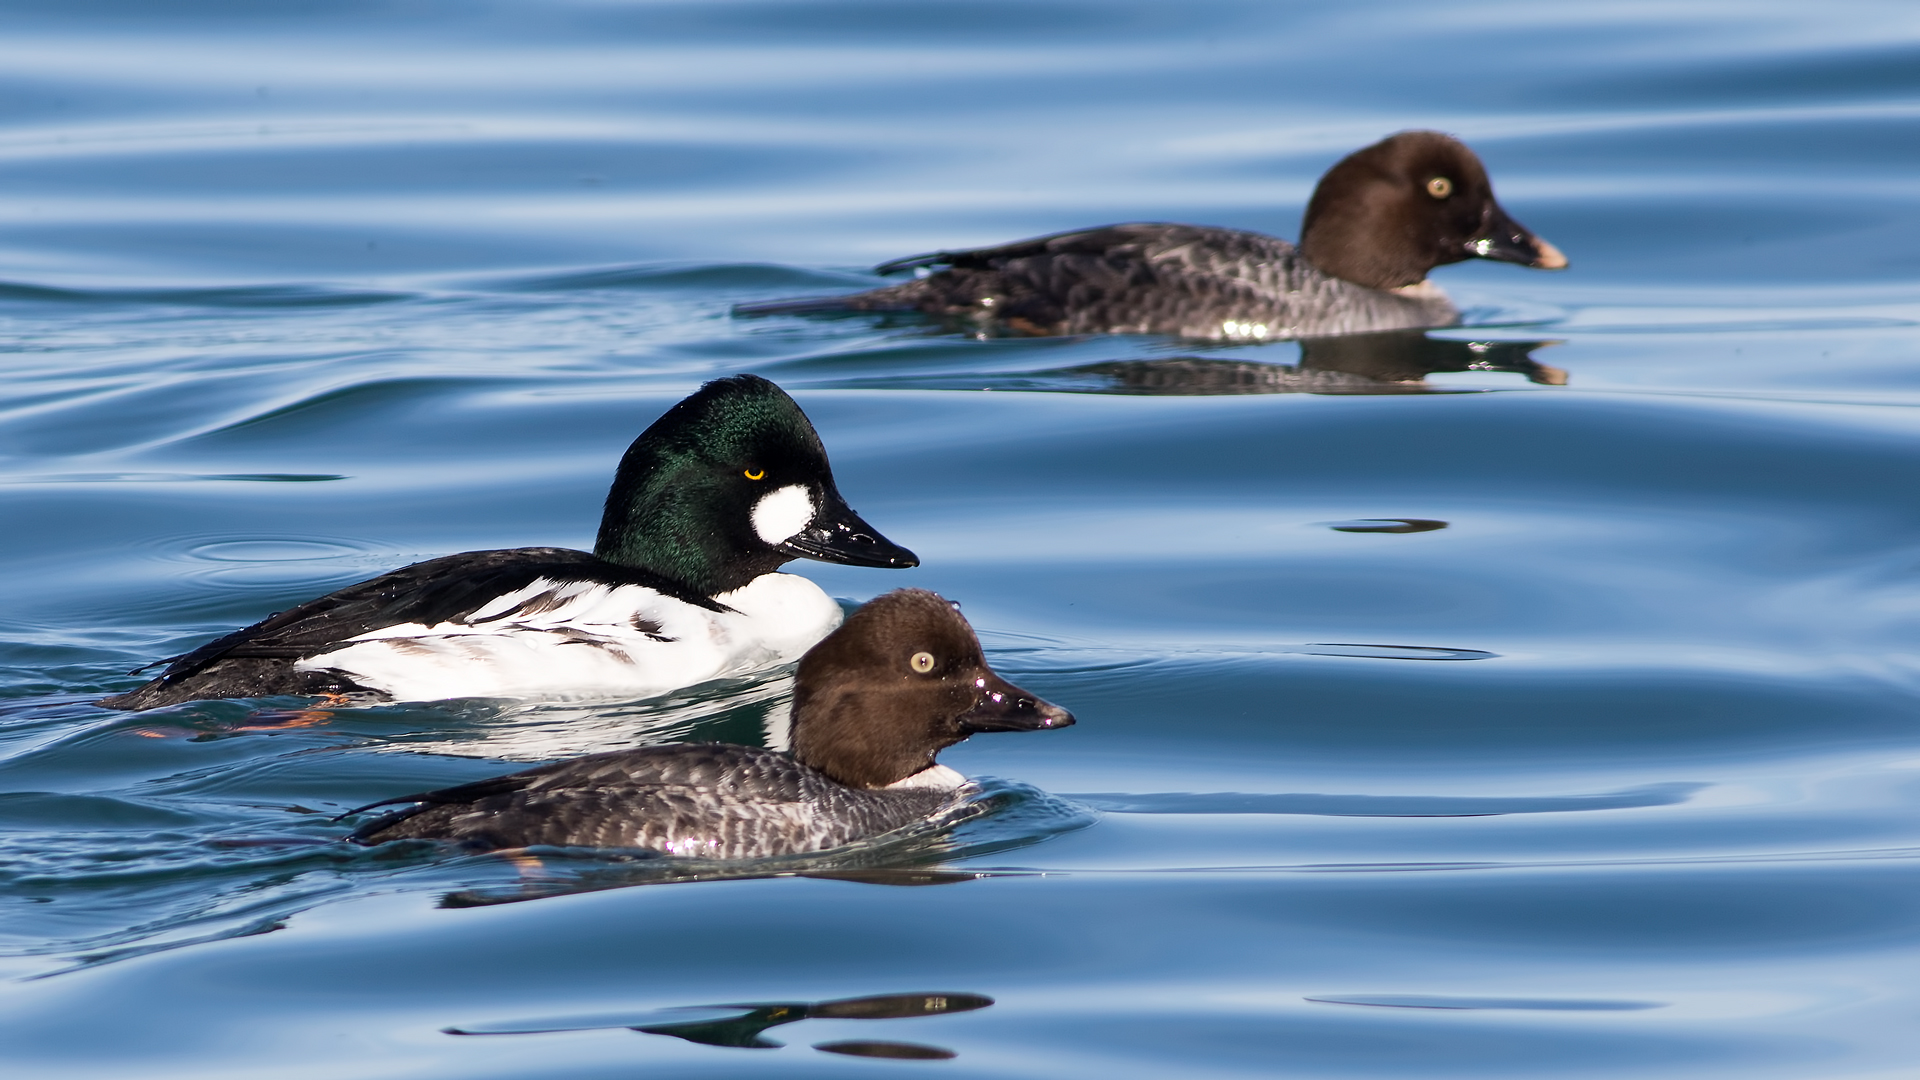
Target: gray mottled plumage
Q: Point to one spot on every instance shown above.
(708, 800)
(1190, 281)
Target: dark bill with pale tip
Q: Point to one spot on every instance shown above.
(1005, 707)
(1506, 240)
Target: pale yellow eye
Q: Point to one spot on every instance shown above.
(1439, 187)
(922, 662)
(755, 475)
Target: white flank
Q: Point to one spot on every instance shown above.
(782, 512)
(586, 639)
(937, 777)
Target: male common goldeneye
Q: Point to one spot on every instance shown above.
(1378, 221)
(680, 588)
(873, 704)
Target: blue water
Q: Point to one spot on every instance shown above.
(1616, 773)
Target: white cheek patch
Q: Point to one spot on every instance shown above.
(783, 512)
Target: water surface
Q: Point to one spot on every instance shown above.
(1532, 698)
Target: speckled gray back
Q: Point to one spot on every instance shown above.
(699, 801)
(1184, 280)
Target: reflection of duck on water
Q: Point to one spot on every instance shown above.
(1379, 220)
(742, 1025)
(1391, 362)
(543, 878)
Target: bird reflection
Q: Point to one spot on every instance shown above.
(744, 1025)
(1390, 362)
(1387, 525)
(1382, 363)
(544, 876)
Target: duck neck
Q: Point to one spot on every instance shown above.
(834, 733)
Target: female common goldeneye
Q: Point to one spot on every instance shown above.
(1378, 221)
(680, 588)
(873, 704)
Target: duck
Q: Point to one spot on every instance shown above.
(682, 585)
(1379, 220)
(874, 703)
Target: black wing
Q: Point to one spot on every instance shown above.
(460, 793)
(1095, 241)
(1137, 239)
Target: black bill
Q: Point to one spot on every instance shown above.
(837, 535)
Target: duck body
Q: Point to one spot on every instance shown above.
(874, 704)
(694, 800)
(681, 587)
(1379, 220)
(552, 622)
(1191, 281)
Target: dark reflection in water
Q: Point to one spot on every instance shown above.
(897, 1051)
(907, 877)
(1409, 356)
(1387, 652)
(1385, 363)
(744, 1025)
(543, 882)
(1387, 525)
(1391, 362)
(1231, 802)
(174, 478)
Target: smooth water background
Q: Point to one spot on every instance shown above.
(298, 292)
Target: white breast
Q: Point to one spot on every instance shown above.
(585, 639)
(938, 777)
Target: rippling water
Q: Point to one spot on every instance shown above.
(1535, 698)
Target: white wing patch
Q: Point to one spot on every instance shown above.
(589, 639)
(782, 512)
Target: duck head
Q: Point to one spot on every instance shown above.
(730, 484)
(1386, 214)
(901, 680)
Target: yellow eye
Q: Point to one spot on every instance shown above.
(1439, 187)
(752, 475)
(922, 662)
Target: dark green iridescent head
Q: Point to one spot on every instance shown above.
(730, 484)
